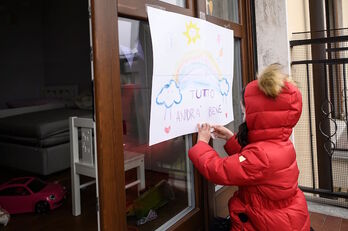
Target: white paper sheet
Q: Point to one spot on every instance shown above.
(192, 74)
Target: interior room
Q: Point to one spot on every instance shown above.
(45, 79)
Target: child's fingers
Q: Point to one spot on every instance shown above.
(218, 128)
(218, 135)
(206, 127)
(203, 126)
(198, 127)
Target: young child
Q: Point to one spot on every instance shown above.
(262, 159)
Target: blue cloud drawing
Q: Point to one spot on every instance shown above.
(224, 87)
(169, 94)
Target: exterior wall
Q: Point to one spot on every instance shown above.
(345, 16)
(298, 21)
(302, 129)
(271, 33)
(298, 17)
(275, 22)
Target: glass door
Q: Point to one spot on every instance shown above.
(235, 15)
(144, 187)
(159, 178)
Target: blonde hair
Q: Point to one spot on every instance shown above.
(271, 80)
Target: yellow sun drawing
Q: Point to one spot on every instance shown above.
(192, 32)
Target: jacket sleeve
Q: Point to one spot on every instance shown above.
(232, 146)
(229, 170)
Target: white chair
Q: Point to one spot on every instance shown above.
(84, 161)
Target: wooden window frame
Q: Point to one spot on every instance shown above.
(110, 157)
(137, 8)
(108, 105)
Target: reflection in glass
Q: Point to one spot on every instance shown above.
(237, 89)
(159, 185)
(225, 9)
(237, 86)
(181, 3)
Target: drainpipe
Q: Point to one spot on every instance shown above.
(317, 23)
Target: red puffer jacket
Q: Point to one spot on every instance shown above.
(268, 197)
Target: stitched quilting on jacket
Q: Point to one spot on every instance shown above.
(268, 197)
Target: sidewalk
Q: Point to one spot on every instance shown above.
(322, 222)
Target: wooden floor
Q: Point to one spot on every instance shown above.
(60, 218)
(321, 222)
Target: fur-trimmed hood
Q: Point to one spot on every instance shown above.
(271, 116)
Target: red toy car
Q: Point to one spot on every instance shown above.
(30, 194)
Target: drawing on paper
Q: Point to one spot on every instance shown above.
(192, 75)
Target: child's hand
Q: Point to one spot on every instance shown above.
(222, 132)
(203, 132)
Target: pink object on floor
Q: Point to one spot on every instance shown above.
(30, 194)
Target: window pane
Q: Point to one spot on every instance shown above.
(36, 185)
(8, 192)
(167, 186)
(237, 88)
(181, 3)
(21, 191)
(225, 9)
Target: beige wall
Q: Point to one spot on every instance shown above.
(345, 15)
(273, 32)
(298, 21)
(302, 139)
(298, 16)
